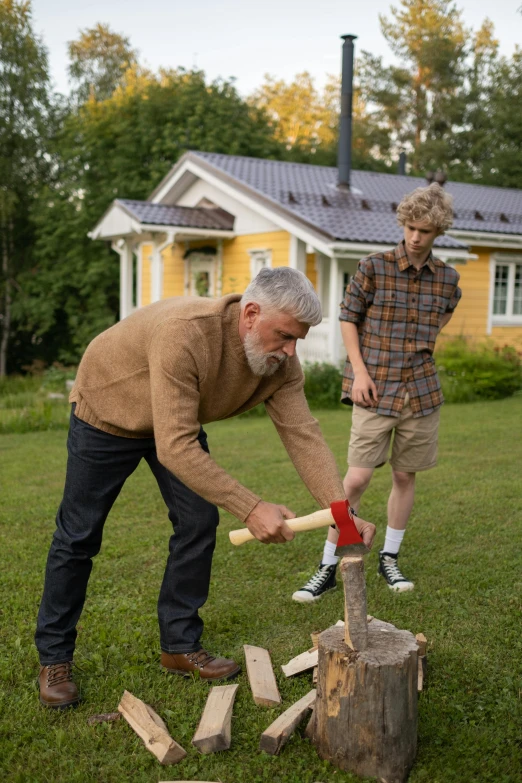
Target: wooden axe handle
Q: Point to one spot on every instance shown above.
(321, 518)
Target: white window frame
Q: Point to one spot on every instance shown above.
(259, 259)
(509, 319)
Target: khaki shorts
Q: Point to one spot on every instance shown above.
(414, 442)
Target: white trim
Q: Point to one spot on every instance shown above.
(254, 203)
(491, 294)
(513, 241)
(257, 255)
(509, 319)
(156, 287)
(126, 254)
(333, 304)
(186, 230)
(297, 255)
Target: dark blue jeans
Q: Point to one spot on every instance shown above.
(98, 465)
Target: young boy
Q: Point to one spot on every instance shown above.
(393, 310)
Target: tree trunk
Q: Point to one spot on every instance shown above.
(365, 716)
(6, 317)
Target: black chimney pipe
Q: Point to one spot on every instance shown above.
(344, 156)
(402, 164)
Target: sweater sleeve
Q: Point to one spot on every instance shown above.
(175, 370)
(304, 441)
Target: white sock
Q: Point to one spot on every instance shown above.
(329, 557)
(393, 540)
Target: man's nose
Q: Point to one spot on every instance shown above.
(289, 348)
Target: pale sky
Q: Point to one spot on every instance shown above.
(244, 39)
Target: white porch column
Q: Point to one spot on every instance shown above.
(333, 312)
(297, 254)
(126, 278)
(156, 283)
(219, 268)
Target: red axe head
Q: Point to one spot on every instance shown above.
(350, 541)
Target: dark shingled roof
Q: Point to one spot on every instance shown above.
(367, 214)
(186, 217)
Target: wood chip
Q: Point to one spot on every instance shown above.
(261, 676)
(214, 730)
(422, 642)
(278, 733)
(151, 729)
(105, 717)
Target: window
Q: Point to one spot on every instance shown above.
(507, 292)
(258, 260)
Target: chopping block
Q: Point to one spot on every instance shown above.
(365, 715)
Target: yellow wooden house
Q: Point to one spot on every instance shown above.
(215, 220)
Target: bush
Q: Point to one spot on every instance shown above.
(322, 385)
(484, 372)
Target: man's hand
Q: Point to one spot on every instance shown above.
(267, 523)
(364, 391)
(366, 530)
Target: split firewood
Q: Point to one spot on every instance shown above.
(315, 639)
(314, 675)
(422, 643)
(422, 661)
(214, 730)
(106, 717)
(278, 733)
(309, 731)
(151, 729)
(261, 676)
(302, 662)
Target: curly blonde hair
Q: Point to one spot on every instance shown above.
(432, 204)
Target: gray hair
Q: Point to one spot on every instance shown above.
(285, 290)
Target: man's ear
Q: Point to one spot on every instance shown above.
(251, 313)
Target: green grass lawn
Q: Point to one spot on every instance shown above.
(463, 550)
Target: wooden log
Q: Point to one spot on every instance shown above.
(355, 622)
(149, 726)
(261, 676)
(214, 731)
(315, 639)
(301, 663)
(279, 732)
(365, 714)
(315, 675)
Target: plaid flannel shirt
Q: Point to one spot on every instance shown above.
(398, 309)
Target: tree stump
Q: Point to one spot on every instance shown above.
(365, 716)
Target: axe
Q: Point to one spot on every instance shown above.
(339, 513)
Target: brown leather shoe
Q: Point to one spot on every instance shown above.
(209, 667)
(57, 688)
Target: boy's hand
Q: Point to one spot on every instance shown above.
(364, 391)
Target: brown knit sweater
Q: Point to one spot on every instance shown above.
(177, 364)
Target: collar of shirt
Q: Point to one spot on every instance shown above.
(403, 261)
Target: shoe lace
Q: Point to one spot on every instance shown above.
(391, 568)
(201, 658)
(57, 673)
(318, 579)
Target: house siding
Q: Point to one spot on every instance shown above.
(311, 269)
(236, 259)
(146, 279)
(471, 316)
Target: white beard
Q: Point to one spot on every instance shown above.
(258, 361)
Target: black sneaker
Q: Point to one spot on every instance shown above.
(322, 581)
(389, 569)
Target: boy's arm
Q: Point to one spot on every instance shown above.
(364, 391)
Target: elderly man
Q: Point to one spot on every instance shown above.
(144, 389)
(393, 310)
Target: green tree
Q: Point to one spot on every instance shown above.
(24, 119)
(420, 97)
(306, 121)
(120, 147)
(99, 59)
